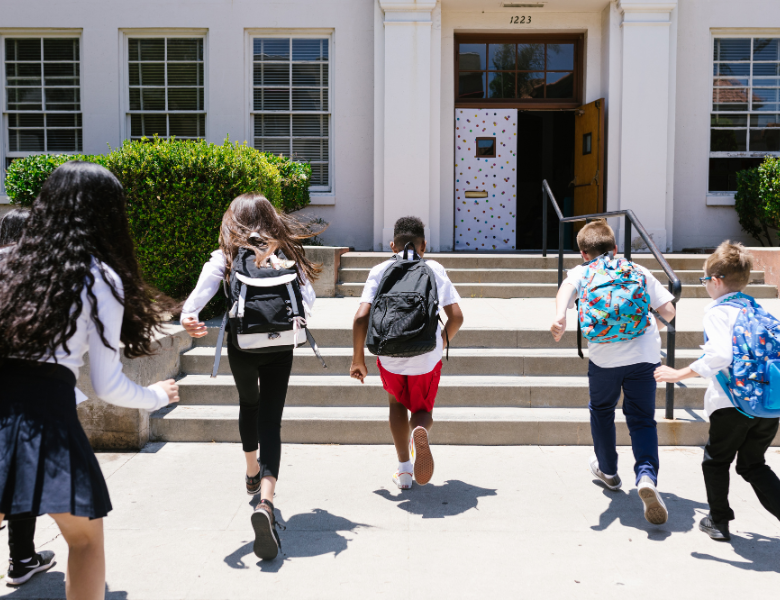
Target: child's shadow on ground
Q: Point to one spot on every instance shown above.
(628, 508)
(50, 584)
(303, 535)
(759, 551)
(438, 501)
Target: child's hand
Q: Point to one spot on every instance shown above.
(558, 328)
(358, 371)
(195, 329)
(171, 389)
(664, 374)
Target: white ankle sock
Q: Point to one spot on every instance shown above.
(608, 476)
(405, 467)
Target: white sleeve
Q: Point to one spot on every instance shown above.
(574, 279)
(659, 295)
(372, 282)
(208, 283)
(105, 367)
(309, 296)
(446, 290)
(718, 352)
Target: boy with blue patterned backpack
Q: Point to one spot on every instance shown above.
(614, 298)
(742, 360)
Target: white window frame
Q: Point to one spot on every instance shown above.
(726, 198)
(320, 195)
(124, 72)
(5, 151)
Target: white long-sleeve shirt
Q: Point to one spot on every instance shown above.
(210, 281)
(718, 353)
(105, 367)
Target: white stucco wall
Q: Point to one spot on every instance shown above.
(695, 223)
(349, 209)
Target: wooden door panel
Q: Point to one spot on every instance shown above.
(589, 159)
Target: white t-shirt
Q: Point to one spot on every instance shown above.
(645, 348)
(425, 363)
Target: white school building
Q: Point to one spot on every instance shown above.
(451, 110)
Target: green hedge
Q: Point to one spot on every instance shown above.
(177, 192)
(757, 200)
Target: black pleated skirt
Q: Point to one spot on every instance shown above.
(47, 465)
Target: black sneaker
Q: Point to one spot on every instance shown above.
(253, 484)
(717, 531)
(20, 572)
(267, 543)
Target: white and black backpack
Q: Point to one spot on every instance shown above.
(265, 308)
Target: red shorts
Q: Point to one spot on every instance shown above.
(415, 392)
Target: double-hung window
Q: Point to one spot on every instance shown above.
(166, 87)
(745, 118)
(42, 95)
(291, 103)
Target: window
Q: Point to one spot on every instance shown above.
(745, 118)
(290, 102)
(534, 71)
(486, 147)
(166, 87)
(43, 96)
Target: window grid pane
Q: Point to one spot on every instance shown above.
(290, 101)
(166, 88)
(745, 118)
(43, 95)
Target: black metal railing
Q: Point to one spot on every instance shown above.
(675, 286)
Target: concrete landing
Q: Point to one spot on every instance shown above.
(495, 522)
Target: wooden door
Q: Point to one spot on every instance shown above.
(589, 159)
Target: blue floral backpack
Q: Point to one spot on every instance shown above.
(752, 381)
(613, 302)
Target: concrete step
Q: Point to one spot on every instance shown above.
(474, 338)
(505, 426)
(462, 361)
(681, 262)
(454, 390)
(547, 290)
(457, 276)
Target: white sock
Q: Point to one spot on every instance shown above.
(405, 467)
(608, 476)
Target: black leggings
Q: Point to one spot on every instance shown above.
(21, 532)
(260, 416)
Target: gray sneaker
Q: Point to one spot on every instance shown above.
(612, 483)
(655, 509)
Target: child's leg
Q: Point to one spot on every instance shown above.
(639, 389)
(422, 419)
(604, 390)
(752, 465)
(399, 428)
(728, 429)
(21, 535)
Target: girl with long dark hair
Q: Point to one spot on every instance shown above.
(252, 222)
(71, 285)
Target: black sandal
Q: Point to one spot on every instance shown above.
(267, 543)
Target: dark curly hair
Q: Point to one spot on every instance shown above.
(80, 214)
(12, 225)
(406, 230)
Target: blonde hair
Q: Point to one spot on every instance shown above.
(596, 238)
(732, 263)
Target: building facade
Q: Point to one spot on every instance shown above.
(452, 110)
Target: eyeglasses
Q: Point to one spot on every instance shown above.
(704, 280)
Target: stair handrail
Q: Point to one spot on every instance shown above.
(630, 220)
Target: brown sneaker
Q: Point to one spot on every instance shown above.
(253, 484)
(655, 509)
(612, 483)
(420, 452)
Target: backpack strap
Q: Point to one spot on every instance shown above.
(579, 329)
(218, 353)
(446, 336)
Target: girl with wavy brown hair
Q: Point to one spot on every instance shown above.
(252, 222)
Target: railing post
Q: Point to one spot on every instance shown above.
(670, 345)
(627, 238)
(560, 253)
(544, 221)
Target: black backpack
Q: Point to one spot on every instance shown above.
(405, 312)
(264, 308)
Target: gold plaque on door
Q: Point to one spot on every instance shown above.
(476, 194)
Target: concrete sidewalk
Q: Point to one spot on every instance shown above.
(495, 522)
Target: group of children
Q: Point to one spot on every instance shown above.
(72, 284)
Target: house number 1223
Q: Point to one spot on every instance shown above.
(519, 20)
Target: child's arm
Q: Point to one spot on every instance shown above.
(563, 300)
(358, 369)
(664, 374)
(667, 312)
(454, 321)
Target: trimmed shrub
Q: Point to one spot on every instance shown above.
(757, 200)
(177, 192)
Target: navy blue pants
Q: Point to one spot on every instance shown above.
(638, 387)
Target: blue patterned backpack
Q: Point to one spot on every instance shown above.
(613, 302)
(752, 381)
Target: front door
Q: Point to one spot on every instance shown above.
(589, 159)
(485, 179)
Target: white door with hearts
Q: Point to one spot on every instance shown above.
(485, 179)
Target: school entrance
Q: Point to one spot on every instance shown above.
(519, 119)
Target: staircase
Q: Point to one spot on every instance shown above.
(505, 383)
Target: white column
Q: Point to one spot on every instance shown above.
(646, 115)
(406, 139)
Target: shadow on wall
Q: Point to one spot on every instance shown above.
(304, 535)
(438, 501)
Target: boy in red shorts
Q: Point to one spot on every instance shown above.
(411, 383)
